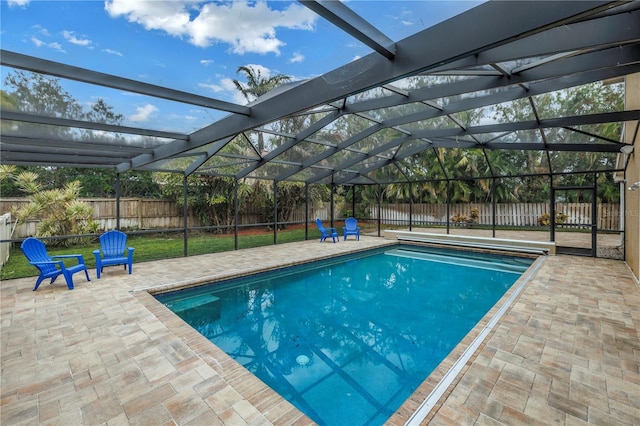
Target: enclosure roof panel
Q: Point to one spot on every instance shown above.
(369, 120)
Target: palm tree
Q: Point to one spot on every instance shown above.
(256, 86)
(59, 210)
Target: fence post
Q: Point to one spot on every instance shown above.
(141, 210)
(5, 234)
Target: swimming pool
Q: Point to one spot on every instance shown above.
(351, 337)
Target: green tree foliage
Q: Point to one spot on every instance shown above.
(139, 184)
(59, 210)
(210, 198)
(290, 195)
(8, 186)
(39, 94)
(465, 174)
(588, 99)
(9, 103)
(43, 95)
(95, 183)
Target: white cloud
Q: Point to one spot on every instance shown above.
(228, 84)
(229, 87)
(56, 46)
(143, 113)
(296, 58)
(112, 52)
(41, 30)
(246, 27)
(175, 116)
(263, 71)
(226, 89)
(17, 3)
(37, 42)
(213, 87)
(206, 62)
(71, 38)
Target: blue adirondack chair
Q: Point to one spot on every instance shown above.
(327, 232)
(351, 228)
(36, 252)
(113, 251)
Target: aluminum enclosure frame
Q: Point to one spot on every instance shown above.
(568, 43)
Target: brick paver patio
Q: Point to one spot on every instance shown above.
(566, 352)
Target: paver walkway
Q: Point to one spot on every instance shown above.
(107, 353)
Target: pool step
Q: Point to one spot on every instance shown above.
(181, 305)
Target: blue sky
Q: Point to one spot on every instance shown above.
(196, 46)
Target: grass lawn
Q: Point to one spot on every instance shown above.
(156, 247)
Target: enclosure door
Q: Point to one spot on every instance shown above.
(574, 225)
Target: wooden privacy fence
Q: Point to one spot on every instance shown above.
(143, 213)
(508, 214)
(138, 213)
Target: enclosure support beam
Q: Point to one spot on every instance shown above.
(118, 201)
(56, 69)
(235, 214)
(185, 216)
(621, 216)
(448, 204)
(275, 212)
(379, 209)
(354, 25)
(493, 206)
(306, 212)
(594, 217)
(410, 206)
(552, 212)
(374, 69)
(333, 189)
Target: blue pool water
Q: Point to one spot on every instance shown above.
(347, 340)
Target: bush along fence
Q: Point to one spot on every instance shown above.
(135, 213)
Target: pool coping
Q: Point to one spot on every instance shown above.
(280, 411)
(451, 376)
